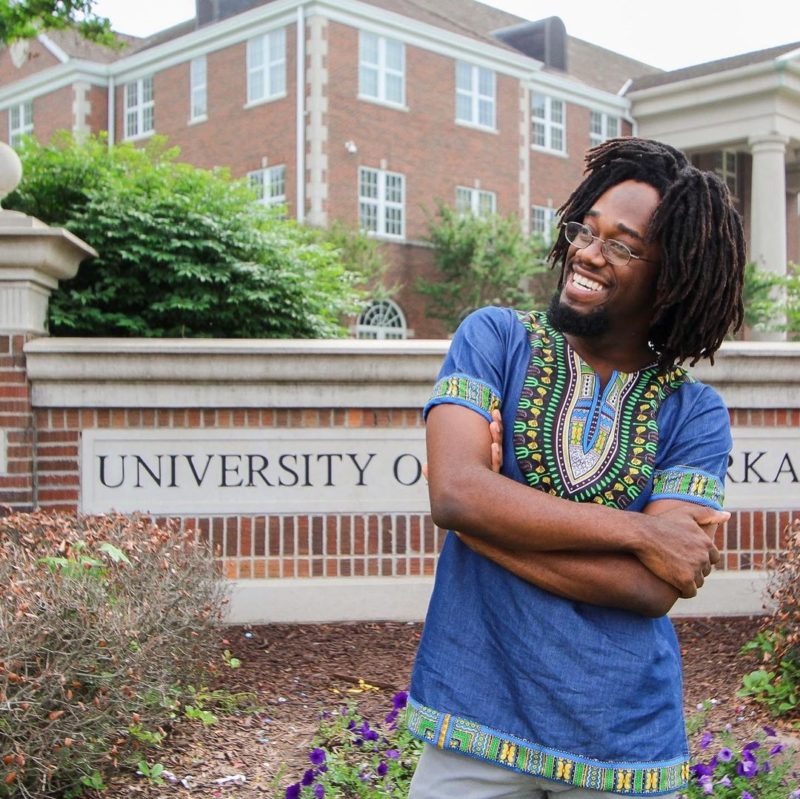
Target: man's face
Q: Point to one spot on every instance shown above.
(597, 297)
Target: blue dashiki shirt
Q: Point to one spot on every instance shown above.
(514, 675)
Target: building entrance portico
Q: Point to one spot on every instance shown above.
(749, 106)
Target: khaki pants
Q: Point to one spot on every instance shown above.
(450, 775)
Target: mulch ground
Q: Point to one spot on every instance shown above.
(296, 671)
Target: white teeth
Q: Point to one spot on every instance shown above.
(586, 283)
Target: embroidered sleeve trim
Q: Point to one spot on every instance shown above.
(692, 485)
(464, 390)
(634, 779)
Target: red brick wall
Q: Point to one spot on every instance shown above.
(297, 545)
(253, 546)
(39, 58)
(424, 143)
(16, 421)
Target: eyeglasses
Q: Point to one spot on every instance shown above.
(615, 252)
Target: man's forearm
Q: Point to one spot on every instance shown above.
(608, 579)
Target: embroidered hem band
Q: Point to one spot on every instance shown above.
(453, 733)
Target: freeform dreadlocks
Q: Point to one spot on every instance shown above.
(699, 286)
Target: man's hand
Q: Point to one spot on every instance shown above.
(678, 545)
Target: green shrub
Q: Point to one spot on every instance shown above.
(105, 622)
(777, 684)
(183, 252)
(483, 260)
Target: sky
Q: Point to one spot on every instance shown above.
(668, 34)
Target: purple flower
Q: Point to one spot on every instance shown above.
(319, 791)
(776, 749)
(750, 746)
(725, 782)
(393, 754)
(769, 731)
(701, 770)
(382, 769)
(707, 783)
(308, 777)
(390, 719)
(747, 767)
(747, 795)
(725, 754)
(293, 791)
(322, 769)
(400, 700)
(707, 738)
(317, 756)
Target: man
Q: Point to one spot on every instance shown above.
(547, 664)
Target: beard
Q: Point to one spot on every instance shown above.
(566, 320)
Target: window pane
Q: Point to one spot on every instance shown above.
(368, 216)
(557, 111)
(486, 113)
(277, 79)
(463, 200)
(147, 119)
(463, 76)
(486, 203)
(394, 222)
(394, 88)
(255, 86)
(538, 134)
(368, 183)
(255, 53)
(394, 54)
(486, 82)
(277, 45)
(613, 127)
(394, 188)
(131, 95)
(368, 81)
(538, 106)
(368, 47)
(596, 123)
(147, 90)
(464, 107)
(556, 139)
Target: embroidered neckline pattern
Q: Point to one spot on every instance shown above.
(575, 442)
(453, 733)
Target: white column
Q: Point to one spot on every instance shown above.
(768, 202)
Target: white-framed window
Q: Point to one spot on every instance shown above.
(139, 108)
(382, 319)
(725, 166)
(381, 202)
(269, 184)
(549, 125)
(266, 66)
(475, 95)
(543, 221)
(601, 127)
(475, 201)
(198, 88)
(381, 68)
(20, 122)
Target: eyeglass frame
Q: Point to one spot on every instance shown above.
(604, 243)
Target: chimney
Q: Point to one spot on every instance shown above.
(544, 40)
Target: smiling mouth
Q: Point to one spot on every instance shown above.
(586, 283)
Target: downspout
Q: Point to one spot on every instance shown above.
(300, 134)
(112, 111)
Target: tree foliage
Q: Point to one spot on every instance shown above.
(183, 251)
(482, 260)
(24, 19)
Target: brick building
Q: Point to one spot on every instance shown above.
(370, 112)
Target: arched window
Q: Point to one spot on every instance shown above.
(382, 319)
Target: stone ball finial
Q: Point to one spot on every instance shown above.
(10, 170)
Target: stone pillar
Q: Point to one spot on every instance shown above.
(33, 258)
(768, 203)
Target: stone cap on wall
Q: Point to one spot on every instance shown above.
(245, 373)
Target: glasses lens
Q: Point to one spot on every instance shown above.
(578, 234)
(616, 253)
